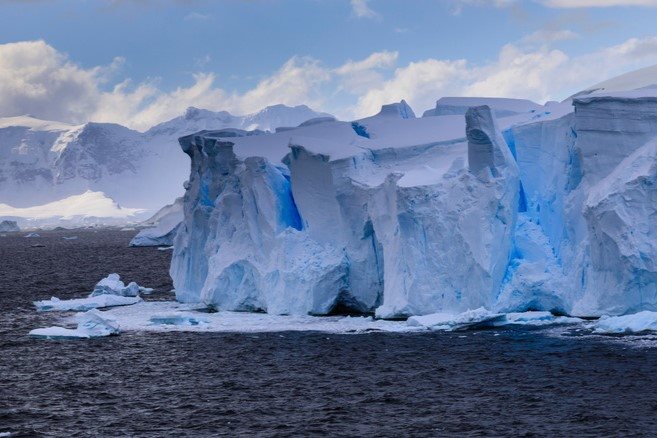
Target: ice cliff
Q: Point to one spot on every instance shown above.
(510, 206)
(391, 214)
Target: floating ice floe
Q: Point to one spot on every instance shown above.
(158, 316)
(30, 235)
(626, 324)
(108, 292)
(166, 316)
(538, 318)
(470, 319)
(91, 324)
(70, 237)
(84, 304)
(178, 319)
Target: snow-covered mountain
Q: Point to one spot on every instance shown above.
(42, 161)
(89, 208)
(547, 208)
(270, 118)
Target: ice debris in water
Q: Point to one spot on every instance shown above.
(91, 324)
(469, 319)
(70, 237)
(8, 226)
(537, 318)
(32, 235)
(84, 304)
(177, 319)
(108, 292)
(626, 324)
(112, 285)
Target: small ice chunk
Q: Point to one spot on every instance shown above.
(626, 324)
(177, 319)
(70, 237)
(470, 319)
(164, 248)
(8, 226)
(91, 324)
(537, 318)
(145, 290)
(112, 285)
(84, 304)
(32, 235)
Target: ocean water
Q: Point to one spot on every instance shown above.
(515, 381)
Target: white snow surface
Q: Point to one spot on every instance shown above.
(503, 107)
(642, 78)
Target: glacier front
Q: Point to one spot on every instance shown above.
(499, 204)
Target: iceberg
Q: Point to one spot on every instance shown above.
(90, 324)
(500, 204)
(162, 227)
(306, 228)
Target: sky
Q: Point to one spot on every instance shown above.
(141, 62)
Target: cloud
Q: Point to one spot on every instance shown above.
(361, 9)
(37, 79)
(521, 70)
(375, 60)
(296, 82)
(544, 36)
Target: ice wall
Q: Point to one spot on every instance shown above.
(585, 177)
(381, 215)
(400, 216)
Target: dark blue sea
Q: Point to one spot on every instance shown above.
(511, 382)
